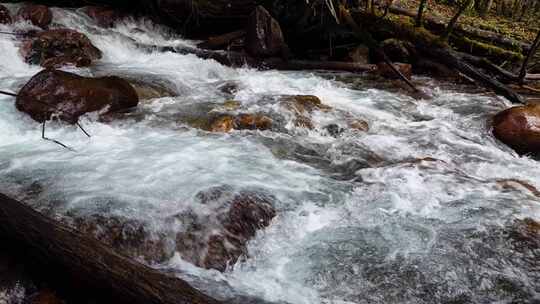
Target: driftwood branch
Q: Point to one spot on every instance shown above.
(72, 260)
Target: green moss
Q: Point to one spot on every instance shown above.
(494, 53)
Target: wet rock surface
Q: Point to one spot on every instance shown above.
(519, 128)
(39, 15)
(104, 16)
(217, 237)
(59, 47)
(264, 37)
(213, 232)
(68, 96)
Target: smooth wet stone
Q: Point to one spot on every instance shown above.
(217, 237)
(519, 128)
(151, 90)
(69, 95)
(226, 123)
(359, 125)
(59, 47)
(39, 15)
(303, 103)
(264, 37)
(103, 16)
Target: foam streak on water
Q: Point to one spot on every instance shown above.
(399, 230)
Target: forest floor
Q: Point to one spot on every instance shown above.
(524, 30)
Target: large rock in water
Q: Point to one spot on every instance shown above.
(5, 17)
(40, 15)
(69, 95)
(519, 128)
(59, 47)
(217, 237)
(263, 36)
(213, 233)
(103, 16)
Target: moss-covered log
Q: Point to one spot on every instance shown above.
(433, 47)
(438, 25)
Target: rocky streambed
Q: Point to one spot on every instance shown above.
(280, 186)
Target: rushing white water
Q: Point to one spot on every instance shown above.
(409, 212)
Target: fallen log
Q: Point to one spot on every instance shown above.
(72, 261)
(238, 59)
(433, 47)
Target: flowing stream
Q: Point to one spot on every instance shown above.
(416, 210)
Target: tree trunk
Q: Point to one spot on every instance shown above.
(72, 260)
(534, 48)
(453, 21)
(420, 12)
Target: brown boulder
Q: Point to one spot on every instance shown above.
(264, 37)
(103, 16)
(69, 95)
(226, 123)
(218, 238)
(519, 128)
(359, 125)
(40, 15)
(59, 47)
(5, 17)
(223, 123)
(252, 122)
(386, 71)
(303, 103)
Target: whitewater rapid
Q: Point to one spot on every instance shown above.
(408, 212)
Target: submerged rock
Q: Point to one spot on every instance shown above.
(151, 89)
(359, 125)
(217, 237)
(303, 103)
(264, 37)
(5, 17)
(69, 95)
(40, 15)
(519, 128)
(59, 47)
(334, 130)
(103, 16)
